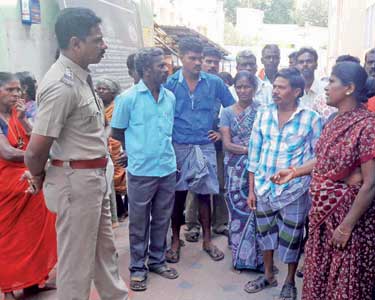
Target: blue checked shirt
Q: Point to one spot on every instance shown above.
(272, 148)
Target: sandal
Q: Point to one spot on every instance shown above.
(192, 236)
(288, 292)
(259, 284)
(138, 284)
(165, 271)
(173, 256)
(214, 253)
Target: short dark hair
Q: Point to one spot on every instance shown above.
(212, 52)
(28, 79)
(293, 55)
(294, 77)
(5, 77)
(371, 51)
(270, 46)
(190, 44)
(130, 62)
(75, 21)
(144, 58)
(353, 73)
(246, 74)
(226, 77)
(309, 50)
(245, 54)
(348, 57)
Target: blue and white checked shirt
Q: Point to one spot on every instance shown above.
(272, 148)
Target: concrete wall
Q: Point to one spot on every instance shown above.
(33, 48)
(349, 25)
(24, 47)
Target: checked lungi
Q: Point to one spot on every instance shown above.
(282, 229)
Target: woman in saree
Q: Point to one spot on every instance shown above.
(27, 229)
(236, 123)
(340, 251)
(107, 90)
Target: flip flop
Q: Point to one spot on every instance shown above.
(259, 284)
(192, 236)
(214, 253)
(165, 271)
(288, 292)
(138, 284)
(173, 256)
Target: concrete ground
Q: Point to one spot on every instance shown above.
(200, 277)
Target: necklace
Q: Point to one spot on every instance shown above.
(17, 136)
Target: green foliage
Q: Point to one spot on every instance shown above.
(313, 12)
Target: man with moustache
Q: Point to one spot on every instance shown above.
(145, 114)
(246, 60)
(314, 95)
(284, 135)
(70, 130)
(210, 64)
(197, 94)
(270, 60)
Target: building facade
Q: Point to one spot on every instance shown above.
(351, 28)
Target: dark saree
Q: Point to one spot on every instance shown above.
(246, 253)
(346, 142)
(27, 229)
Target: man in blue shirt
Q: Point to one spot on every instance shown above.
(145, 114)
(197, 95)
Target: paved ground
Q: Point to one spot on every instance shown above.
(200, 277)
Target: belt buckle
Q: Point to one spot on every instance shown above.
(66, 164)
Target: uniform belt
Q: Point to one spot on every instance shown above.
(98, 163)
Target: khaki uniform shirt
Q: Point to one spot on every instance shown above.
(69, 112)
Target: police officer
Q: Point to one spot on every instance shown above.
(69, 128)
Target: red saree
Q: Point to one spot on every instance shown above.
(27, 229)
(330, 273)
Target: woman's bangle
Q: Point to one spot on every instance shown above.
(342, 232)
(294, 171)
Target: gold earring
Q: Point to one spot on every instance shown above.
(347, 94)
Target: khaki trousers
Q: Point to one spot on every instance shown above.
(86, 249)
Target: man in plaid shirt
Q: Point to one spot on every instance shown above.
(284, 134)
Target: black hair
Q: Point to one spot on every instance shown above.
(27, 79)
(348, 57)
(309, 50)
(294, 77)
(190, 44)
(144, 58)
(293, 55)
(246, 74)
(213, 52)
(353, 73)
(226, 77)
(130, 62)
(76, 21)
(270, 46)
(6, 77)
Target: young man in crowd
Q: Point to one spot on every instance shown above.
(314, 94)
(197, 96)
(145, 114)
(246, 60)
(210, 64)
(283, 135)
(270, 60)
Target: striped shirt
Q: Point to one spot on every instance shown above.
(272, 148)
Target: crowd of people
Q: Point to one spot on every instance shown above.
(276, 160)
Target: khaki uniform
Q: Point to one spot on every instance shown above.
(69, 112)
